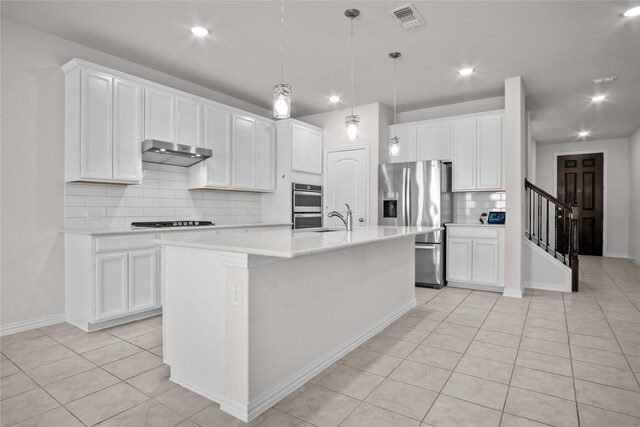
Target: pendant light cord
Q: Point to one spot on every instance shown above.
(352, 91)
(282, 42)
(394, 90)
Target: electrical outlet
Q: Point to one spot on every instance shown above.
(237, 295)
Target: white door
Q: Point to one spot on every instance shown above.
(347, 181)
(189, 122)
(96, 127)
(489, 152)
(127, 131)
(244, 131)
(111, 284)
(217, 137)
(464, 154)
(143, 280)
(434, 141)
(485, 261)
(459, 259)
(265, 157)
(159, 115)
(407, 136)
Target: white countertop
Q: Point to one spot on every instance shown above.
(295, 243)
(127, 230)
(471, 224)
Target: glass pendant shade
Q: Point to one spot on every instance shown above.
(282, 101)
(352, 126)
(394, 148)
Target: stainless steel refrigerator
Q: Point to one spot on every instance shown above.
(419, 193)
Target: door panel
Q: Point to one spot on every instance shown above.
(265, 157)
(464, 154)
(143, 280)
(458, 259)
(347, 178)
(111, 285)
(434, 141)
(127, 131)
(159, 115)
(243, 152)
(189, 122)
(217, 137)
(580, 179)
(485, 261)
(314, 152)
(429, 264)
(391, 194)
(489, 162)
(299, 147)
(96, 128)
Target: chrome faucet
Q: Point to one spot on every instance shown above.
(348, 222)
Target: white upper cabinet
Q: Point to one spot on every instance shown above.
(159, 115)
(489, 153)
(464, 154)
(127, 131)
(265, 156)
(407, 137)
(214, 172)
(103, 127)
(434, 141)
(188, 122)
(96, 126)
(306, 149)
(244, 146)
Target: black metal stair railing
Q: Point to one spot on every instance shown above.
(553, 226)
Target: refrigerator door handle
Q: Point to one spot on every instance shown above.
(426, 247)
(407, 196)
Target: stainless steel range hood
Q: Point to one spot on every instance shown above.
(169, 153)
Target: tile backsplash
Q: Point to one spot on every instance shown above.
(163, 195)
(467, 207)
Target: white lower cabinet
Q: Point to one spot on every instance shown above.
(475, 256)
(111, 285)
(143, 280)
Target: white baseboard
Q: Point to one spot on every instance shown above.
(25, 325)
(636, 262)
(615, 255)
(248, 412)
(476, 286)
(512, 293)
(545, 287)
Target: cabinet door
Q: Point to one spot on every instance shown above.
(314, 152)
(127, 131)
(111, 285)
(464, 154)
(217, 137)
(434, 141)
(489, 152)
(159, 115)
(485, 261)
(265, 157)
(243, 152)
(143, 280)
(96, 128)
(406, 146)
(299, 147)
(188, 122)
(459, 259)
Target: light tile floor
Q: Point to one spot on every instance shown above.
(461, 358)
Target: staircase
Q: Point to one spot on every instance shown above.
(551, 229)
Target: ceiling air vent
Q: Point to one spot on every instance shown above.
(408, 16)
(604, 80)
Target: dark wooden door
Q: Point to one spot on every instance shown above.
(580, 179)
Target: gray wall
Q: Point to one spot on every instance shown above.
(634, 196)
(32, 164)
(617, 180)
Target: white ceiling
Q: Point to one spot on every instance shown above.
(557, 47)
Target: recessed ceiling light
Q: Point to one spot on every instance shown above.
(634, 11)
(583, 133)
(334, 98)
(199, 31)
(466, 71)
(598, 98)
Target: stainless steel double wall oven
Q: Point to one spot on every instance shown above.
(306, 205)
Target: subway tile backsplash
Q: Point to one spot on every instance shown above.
(467, 207)
(163, 196)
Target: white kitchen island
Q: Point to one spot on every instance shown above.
(249, 318)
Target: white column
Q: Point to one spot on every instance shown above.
(514, 137)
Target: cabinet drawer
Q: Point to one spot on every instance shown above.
(124, 243)
(474, 232)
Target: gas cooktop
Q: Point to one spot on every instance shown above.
(164, 224)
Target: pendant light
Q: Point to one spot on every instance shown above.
(282, 91)
(394, 148)
(352, 120)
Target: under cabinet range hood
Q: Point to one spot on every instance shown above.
(169, 153)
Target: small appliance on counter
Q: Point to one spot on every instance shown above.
(419, 194)
(306, 206)
(496, 217)
(165, 224)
